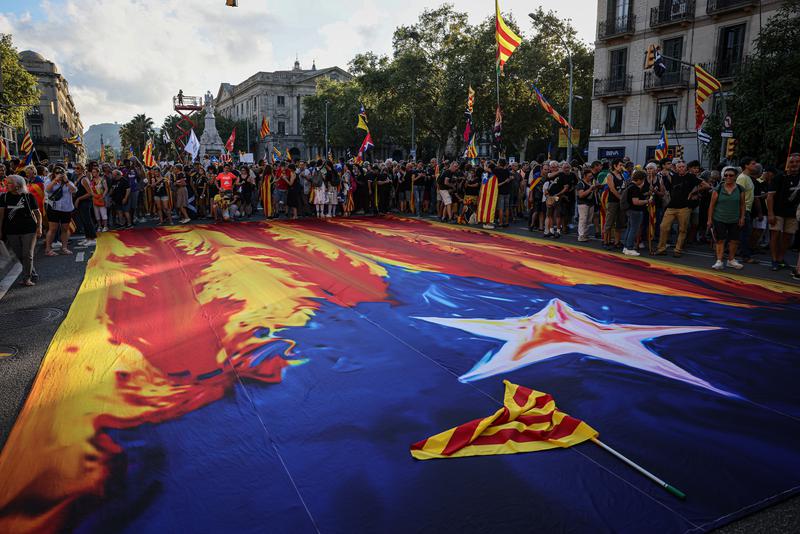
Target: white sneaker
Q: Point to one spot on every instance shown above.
(88, 243)
(630, 252)
(184, 221)
(56, 245)
(733, 264)
(641, 245)
(105, 228)
(718, 266)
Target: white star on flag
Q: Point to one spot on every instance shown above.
(558, 329)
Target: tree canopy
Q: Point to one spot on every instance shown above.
(19, 91)
(433, 63)
(765, 93)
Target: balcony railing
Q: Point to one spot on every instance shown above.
(727, 69)
(715, 7)
(617, 27)
(678, 79)
(613, 86)
(671, 13)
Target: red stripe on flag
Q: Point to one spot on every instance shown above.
(562, 430)
(522, 395)
(508, 38)
(461, 437)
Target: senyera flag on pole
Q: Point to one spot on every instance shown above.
(231, 140)
(507, 40)
(528, 422)
(264, 127)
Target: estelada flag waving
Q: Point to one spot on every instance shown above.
(231, 141)
(529, 421)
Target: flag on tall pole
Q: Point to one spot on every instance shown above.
(231, 140)
(5, 154)
(791, 138)
(706, 86)
(264, 128)
(663, 144)
(192, 145)
(468, 114)
(365, 146)
(507, 40)
(550, 109)
(498, 127)
(362, 120)
(147, 155)
(74, 140)
(472, 148)
(26, 147)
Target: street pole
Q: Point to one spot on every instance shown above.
(247, 122)
(326, 130)
(569, 109)
(413, 139)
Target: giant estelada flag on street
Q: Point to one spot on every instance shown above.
(271, 377)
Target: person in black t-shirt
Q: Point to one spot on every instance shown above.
(560, 187)
(636, 202)
(21, 224)
(684, 189)
(783, 204)
(585, 191)
(503, 191)
(445, 187)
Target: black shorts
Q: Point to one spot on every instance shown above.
(726, 231)
(55, 216)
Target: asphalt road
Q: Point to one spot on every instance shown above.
(29, 318)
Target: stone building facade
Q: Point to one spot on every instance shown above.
(628, 104)
(279, 97)
(55, 118)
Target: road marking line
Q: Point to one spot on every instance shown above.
(79, 257)
(8, 281)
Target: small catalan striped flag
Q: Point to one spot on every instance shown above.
(507, 40)
(487, 200)
(5, 154)
(529, 421)
(472, 149)
(264, 128)
(550, 110)
(706, 86)
(26, 147)
(147, 156)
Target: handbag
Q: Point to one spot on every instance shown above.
(56, 195)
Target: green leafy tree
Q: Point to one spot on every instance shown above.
(765, 92)
(18, 88)
(135, 133)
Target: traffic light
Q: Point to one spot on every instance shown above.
(730, 148)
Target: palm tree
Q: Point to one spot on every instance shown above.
(135, 134)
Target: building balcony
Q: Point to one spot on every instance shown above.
(675, 80)
(675, 12)
(613, 86)
(619, 27)
(725, 70)
(718, 7)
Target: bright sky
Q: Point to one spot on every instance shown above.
(123, 57)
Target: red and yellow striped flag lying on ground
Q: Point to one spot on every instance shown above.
(529, 421)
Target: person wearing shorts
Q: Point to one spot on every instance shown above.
(58, 190)
(726, 215)
(783, 201)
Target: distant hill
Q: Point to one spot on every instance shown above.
(110, 134)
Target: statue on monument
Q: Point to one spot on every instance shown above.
(210, 142)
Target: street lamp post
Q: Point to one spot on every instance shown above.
(326, 129)
(569, 109)
(413, 136)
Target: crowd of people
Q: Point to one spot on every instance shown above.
(737, 211)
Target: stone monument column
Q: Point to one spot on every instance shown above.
(210, 141)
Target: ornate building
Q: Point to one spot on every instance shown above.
(55, 118)
(629, 105)
(279, 97)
